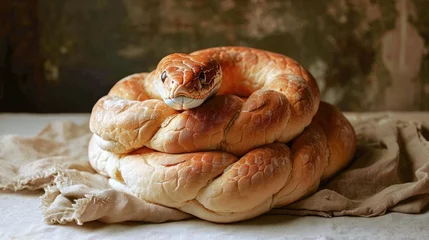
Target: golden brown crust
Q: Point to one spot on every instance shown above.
(217, 186)
(226, 160)
(340, 135)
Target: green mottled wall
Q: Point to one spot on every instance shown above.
(366, 55)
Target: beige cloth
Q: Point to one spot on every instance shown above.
(389, 173)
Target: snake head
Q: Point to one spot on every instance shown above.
(186, 81)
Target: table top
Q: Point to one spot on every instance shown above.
(22, 218)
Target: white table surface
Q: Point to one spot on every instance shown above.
(21, 217)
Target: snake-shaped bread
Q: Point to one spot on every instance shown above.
(224, 134)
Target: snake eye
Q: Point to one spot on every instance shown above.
(163, 76)
(202, 77)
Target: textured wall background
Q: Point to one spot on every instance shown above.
(366, 55)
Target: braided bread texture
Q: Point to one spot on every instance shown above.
(225, 134)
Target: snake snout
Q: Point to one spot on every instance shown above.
(183, 103)
(179, 91)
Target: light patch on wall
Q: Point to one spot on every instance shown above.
(64, 50)
(402, 51)
(227, 5)
(132, 51)
(66, 47)
(318, 70)
(263, 21)
(52, 71)
(333, 95)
